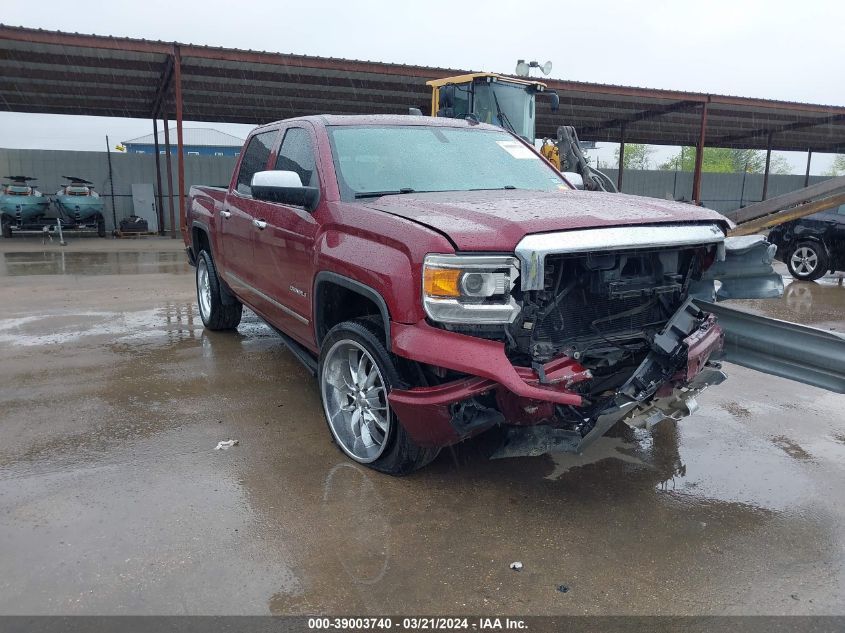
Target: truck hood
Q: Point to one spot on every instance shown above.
(498, 220)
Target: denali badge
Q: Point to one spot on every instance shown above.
(297, 291)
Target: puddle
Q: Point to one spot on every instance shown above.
(817, 303)
(174, 321)
(602, 448)
(89, 263)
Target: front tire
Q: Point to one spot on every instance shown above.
(356, 374)
(214, 313)
(807, 261)
(7, 230)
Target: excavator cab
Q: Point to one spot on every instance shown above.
(490, 98)
(510, 103)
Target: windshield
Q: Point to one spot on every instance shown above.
(515, 111)
(403, 159)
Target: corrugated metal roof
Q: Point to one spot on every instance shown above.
(195, 136)
(64, 73)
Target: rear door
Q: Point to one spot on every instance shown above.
(239, 211)
(837, 216)
(284, 248)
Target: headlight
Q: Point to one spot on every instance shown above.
(470, 288)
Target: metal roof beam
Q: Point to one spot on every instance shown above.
(76, 60)
(790, 127)
(163, 85)
(60, 38)
(643, 115)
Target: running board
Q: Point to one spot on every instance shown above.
(780, 348)
(301, 354)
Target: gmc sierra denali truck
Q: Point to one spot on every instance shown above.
(441, 278)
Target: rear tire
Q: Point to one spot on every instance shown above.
(101, 228)
(807, 261)
(355, 402)
(214, 313)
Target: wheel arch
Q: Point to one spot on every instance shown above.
(810, 237)
(329, 285)
(200, 239)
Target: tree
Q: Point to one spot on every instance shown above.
(780, 165)
(837, 167)
(637, 156)
(725, 160)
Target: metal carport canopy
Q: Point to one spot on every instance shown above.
(68, 73)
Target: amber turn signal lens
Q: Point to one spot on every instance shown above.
(441, 282)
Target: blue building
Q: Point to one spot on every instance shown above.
(198, 141)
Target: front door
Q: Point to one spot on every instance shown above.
(284, 247)
(237, 216)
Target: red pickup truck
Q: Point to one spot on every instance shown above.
(441, 278)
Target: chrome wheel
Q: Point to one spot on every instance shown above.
(203, 290)
(355, 400)
(804, 260)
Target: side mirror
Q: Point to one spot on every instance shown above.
(574, 179)
(555, 105)
(284, 187)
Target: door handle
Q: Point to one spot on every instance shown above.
(225, 214)
(261, 224)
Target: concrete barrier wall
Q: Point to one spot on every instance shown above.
(49, 166)
(722, 192)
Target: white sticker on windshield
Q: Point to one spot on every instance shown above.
(517, 149)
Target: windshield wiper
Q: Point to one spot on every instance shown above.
(506, 122)
(378, 194)
(508, 187)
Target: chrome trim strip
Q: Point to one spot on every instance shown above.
(240, 282)
(533, 249)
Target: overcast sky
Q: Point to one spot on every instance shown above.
(773, 49)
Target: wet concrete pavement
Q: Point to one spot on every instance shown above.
(112, 499)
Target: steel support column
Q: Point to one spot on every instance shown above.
(807, 173)
(177, 80)
(621, 157)
(768, 165)
(168, 162)
(699, 156)
(159, 207)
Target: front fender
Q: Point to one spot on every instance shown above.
(380, 266)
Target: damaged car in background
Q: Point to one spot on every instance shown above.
(442, 279)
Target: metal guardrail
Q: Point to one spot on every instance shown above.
(798, 352)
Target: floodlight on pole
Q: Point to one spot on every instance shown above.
(523, 68)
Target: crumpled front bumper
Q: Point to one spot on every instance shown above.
(426, 412)
(447, 413)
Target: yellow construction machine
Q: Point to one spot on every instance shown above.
(510, 103)
(490, 98)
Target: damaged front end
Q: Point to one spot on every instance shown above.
(605, 330)
(663, 386)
